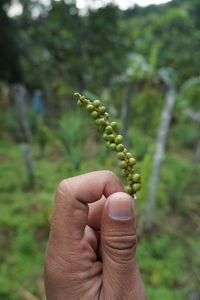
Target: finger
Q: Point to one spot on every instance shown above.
(118, 238)
(70, 214)
(95, 213)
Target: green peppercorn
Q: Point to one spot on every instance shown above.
(112, 147)
(136, 187)
(108, 145)
(113, 142)
(102, 109)
(102, 121)
(130, 177)
(123, 164)
(96, 103)
(106, 115)
(120, 155)
(90, 107)
(132, 161)
(129, 155)
(124, 173)
(105, 137)
(136, 177)
(128, 189)
(94, 114)
(111, 137)
(118, 139)
(79, 103)
(113, 124)
(84, 100)
(120, 148)
(98, 122)
(108, 129)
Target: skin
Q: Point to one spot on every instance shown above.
(91, 248)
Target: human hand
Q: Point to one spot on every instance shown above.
(91, 248)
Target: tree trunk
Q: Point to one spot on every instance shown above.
(159, 153)
(19, 95)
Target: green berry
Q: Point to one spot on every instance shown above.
(113, 124)
(102, 109)
(84, 100)
(106, 115)
(118, 139)
(98, 122)
(124, 173)
(120, 155)
(90, 107)
(113, 142)
(108, 145)
(123, 164)
(136, 178)
(132, 161)
(94, 114)
(112, 147)
(111, 137)
(102, 121)
(128, 189)
(108, 129)
(136, 187)
(120, 148)
(130, 177)
(128, 154)
(96, 103)
(105, 137)
(79, 103)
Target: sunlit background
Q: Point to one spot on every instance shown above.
(142, 60)
(16, 7)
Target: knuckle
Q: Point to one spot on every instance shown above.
(120, 246)
(62, 186)
(111, 177)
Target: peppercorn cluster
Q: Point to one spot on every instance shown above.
(113, 142)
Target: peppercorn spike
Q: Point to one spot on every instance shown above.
(113, 142)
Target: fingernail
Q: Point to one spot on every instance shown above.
(120, 209)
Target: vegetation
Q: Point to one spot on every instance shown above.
(135, 61)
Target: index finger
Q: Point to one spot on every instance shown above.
(70, 213)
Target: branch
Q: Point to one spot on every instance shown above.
(192, 115)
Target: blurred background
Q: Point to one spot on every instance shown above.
(142, 59)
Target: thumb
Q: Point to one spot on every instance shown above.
(121, 276)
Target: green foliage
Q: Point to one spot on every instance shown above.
(43, 137)
(73, 133)
(145, 167)
(139, 142)
(176, 174)
(187, 137)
